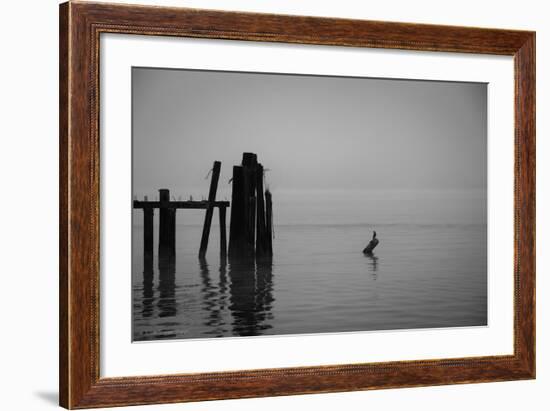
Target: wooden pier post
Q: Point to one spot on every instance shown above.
(148, 214)
(250, 164)
(210, 209)
(261, 228)
(269, 222)
(165, 227)
(223, 240)
(172, 234)
(237, 223)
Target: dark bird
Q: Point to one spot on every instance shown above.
(373, 243)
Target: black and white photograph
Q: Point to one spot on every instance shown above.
(281, 204)
(247, 205)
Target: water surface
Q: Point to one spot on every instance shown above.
(429, 270)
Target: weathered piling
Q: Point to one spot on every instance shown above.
(269, 222)
(261, 228)
(238, 219)
(148, 273)
(371, 245)
(210, 208)
(172, 234)
(250, 165)
(223, 235)
(167, 228)
(148, 214)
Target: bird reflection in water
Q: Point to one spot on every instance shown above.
(373, 265)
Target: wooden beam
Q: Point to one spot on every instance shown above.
(179, 204)
(210, 208)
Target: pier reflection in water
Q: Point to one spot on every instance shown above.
(418, 279)
(251, 297)
(147, 294)
(167, 304)
(225, 299)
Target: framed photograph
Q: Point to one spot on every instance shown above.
(258, 205)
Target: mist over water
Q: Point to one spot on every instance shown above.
(429, 269)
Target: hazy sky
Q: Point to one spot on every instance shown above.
(311, 132)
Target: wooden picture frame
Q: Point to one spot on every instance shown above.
(80, 27)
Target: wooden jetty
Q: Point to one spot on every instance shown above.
(167, 222)
(251, 225)
(250, 232)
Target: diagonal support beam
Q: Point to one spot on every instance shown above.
(210, 208)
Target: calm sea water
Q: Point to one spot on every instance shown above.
(429, 270)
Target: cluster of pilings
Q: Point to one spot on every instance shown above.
(250, 231)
